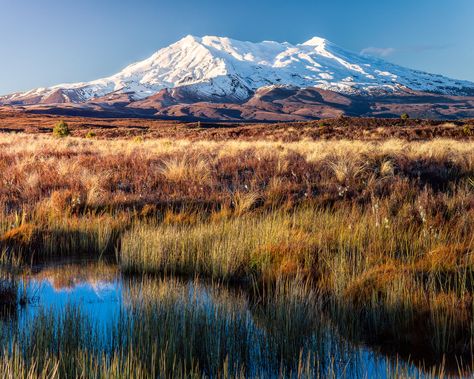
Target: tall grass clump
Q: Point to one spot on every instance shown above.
(235, 248)
(58, 228)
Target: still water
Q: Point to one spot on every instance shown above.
(200, 319)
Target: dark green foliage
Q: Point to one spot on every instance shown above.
(90, 134)
(61, 129)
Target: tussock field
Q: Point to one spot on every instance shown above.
(78, 174)
(381, 230)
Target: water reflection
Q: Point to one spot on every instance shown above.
(95, 288)
(208, 325)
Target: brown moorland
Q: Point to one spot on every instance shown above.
(381, 227)
(15, 121)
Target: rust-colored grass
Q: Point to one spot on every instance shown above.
(383, 229)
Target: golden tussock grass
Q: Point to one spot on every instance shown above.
(383, 229)
(80, 174)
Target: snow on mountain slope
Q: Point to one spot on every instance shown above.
(215, 68)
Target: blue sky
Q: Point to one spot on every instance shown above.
(51, 41)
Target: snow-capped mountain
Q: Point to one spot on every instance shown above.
(223, 69)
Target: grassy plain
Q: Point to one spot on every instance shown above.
(380, 230)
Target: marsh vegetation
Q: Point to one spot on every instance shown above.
(95, 323)
(312, 249)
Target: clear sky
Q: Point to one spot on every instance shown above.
(46, 42)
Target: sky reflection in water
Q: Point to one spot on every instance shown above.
(100, 296)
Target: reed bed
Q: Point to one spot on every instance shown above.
(411, 281)
(169, 328)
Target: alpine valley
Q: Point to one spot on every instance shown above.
(214, 78)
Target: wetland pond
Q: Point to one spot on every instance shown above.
(194, 327)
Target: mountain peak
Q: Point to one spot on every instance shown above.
(316, 41)
(188, 39)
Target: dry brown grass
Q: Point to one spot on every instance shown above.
(332, 129)
(75, 175)
(384, 229)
